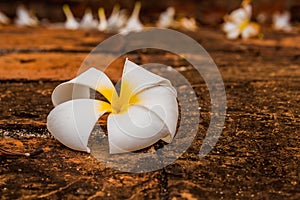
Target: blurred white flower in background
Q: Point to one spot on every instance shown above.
(166, 18)
(71, 22)
(238, 23)
(4, 19)
(188, 24)
(88, 21)
(115, 22)
(281, 21)
(117, 19)
(25, 18)
(102, 26)
(133, 24)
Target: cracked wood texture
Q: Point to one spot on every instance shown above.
(257, 155)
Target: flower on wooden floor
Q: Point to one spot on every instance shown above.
(188, 24)
(238, 23)
(4, 19)
(25, 18)
(88, 21)
(144, 110)
(102, 26)
(281, 21)
(71, 23)
(166, 18)
(133, 24)
(117, 19)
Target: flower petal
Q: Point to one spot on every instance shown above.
(72, 122)
(162, 101)
(234, 34)
(79, 87)
(239, 15)
(133, 130)
(139, 78)
(229, 26)
(250, 31)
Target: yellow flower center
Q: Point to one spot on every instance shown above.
(243, 25)
(119, 103)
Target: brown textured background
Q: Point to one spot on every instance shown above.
(256, 157)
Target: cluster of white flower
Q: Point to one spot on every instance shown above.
(119, 22)
(23, 17)
(238, 22)
(167, 20)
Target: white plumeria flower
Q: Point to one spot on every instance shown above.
(88, 21)
(188, 24)
(166, 19)
(144, 112)
(133, 24)
(117, 19)
(24, 18)
(102, 26)
(114, 14)
(282, 21)
(238, 23)
(4, 19)
(71, 22)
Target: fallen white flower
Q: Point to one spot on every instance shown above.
(24, 18)
(238, 23)
(88, 21)
(133, 24)
(144, 112)
(71, 22)
(281, 21)
(188, 24)
(4, 19)
(117, 19)
(102, 26)
(166, 18)
(114, 23)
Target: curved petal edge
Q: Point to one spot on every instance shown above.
(73, 121)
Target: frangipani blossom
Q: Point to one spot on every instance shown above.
(114, 14)
(102, 26)
(282, 21)
(166, 18)
(144, 112)
(88, 21)
(117, 19)
(133, 24)
(4, 19)
(238, 23)
(188, 24)
(24, 18)
(115, 22)
(71, 22)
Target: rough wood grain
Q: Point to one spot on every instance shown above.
(257, 156)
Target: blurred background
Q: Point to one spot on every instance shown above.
(206, 12)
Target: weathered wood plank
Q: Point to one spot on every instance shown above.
(256, 157)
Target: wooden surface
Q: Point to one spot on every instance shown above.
(257, 156)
